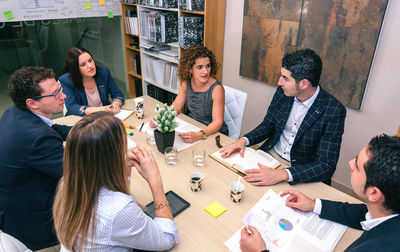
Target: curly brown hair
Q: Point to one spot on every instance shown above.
(24, 84)
(189, 57)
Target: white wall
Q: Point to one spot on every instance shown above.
(380, 111)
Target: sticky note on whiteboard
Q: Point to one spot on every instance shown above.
(8, 14)
(110, 14)
(87, 6)
(102, 2)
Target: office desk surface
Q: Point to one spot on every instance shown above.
(198, 230)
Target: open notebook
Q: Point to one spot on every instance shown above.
(250, 160)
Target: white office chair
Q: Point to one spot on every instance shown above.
(235, 102)
(10, 244)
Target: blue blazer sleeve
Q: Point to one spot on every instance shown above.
(107, 87)
(63, 130)
(46, 154)
(344, 213)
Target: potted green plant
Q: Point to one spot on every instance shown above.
(164, 135)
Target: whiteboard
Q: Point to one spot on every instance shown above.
(24, 10)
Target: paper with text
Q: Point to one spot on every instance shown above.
(284, 229)
(183, 127)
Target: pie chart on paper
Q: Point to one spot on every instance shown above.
(285, 224)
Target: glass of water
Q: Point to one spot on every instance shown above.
(150, 138)
(170, 155)
(198, 157)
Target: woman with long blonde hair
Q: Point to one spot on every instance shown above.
(93, 210)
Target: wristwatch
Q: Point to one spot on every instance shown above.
(119, 101)
(203, 135)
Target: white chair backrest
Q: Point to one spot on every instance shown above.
(235, 102)
(10, 244)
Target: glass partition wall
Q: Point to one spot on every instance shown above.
(45, 43)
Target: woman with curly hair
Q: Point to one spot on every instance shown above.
(200, 94)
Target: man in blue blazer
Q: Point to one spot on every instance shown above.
(31, 153)
(375, 177)
(303, 126)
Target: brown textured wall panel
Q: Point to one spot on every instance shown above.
(343, 32)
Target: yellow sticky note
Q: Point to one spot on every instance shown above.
(215, 209)
(87, 6)
(110, 14)
(102, 2)
(9, 15)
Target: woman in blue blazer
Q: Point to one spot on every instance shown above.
(87, 86)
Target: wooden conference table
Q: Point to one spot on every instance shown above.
(198, 230)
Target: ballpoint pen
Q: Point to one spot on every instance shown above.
(141, 126)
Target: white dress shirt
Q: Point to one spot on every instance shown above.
(296, 116)
(122, 225)
(366, 225)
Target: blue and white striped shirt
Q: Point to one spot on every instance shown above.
(122, 225)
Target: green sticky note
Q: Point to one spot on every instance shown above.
(87, 6)
(9, 15)
(215, 209)
(110, 14)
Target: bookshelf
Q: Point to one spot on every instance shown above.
(132, 50)
(157, 61)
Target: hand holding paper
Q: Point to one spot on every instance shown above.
(252, 241)
(297, 200)
(190, 137)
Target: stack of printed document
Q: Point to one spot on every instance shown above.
(284, 229)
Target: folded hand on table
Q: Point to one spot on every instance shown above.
(265, 176)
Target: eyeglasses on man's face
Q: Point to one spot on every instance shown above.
(56, 94)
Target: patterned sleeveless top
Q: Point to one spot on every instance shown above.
(199, 105)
